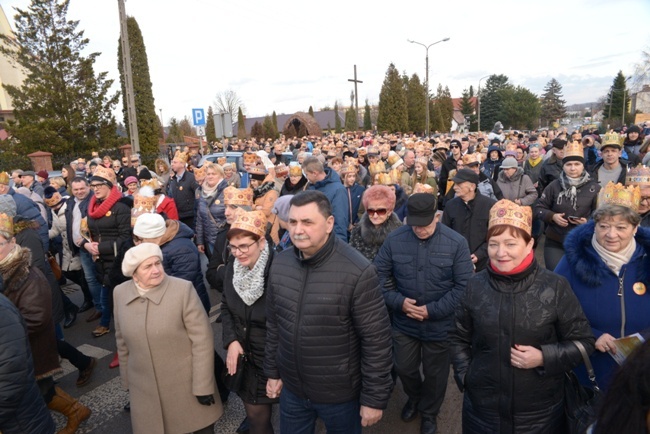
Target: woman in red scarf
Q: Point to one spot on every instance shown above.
(514, 331)
(109, 223)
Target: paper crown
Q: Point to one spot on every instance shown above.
(639, 176)
(281, 170)
(611, 139)
(373, 150)
(181, 156)
(142, 205)
(390, 178)
(105, 173)
(251, 221)
(409, 144)
(238, 197)
(250, 158)
(474, 158)
(362, 151)
(423, 188)
(295, 170)
(394, 160)
(53, 200)
(153, 183)
(617, 194)
(257, 170)
(199, 173)
(505, 212)
(4, 178)
(375, 168)
(348, 168)
(574, 149)
(422, 160)
(6, 224)
(221, 161)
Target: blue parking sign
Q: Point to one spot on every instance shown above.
(198, 116)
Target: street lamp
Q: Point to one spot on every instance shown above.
(478, 102)
(426, 85)
(624, 105)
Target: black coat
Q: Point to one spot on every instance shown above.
(235, 316)
(215, 272)
(184, 193)
(550, 171)
(447, 166)
(535, 307)
(471, 221)
(329, 337)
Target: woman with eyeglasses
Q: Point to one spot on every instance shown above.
(243, 312)
(377, 222)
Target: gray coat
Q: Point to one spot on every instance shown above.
(518, 186)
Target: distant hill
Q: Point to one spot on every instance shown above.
(579, 107)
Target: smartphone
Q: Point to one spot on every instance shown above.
(573, 217)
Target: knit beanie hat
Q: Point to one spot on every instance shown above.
(7, 205)
(137, 255)
(149, 226)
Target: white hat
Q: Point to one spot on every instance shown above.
(137, 255)
(149, 225)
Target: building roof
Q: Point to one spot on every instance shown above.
(325, 119)
(458, 102)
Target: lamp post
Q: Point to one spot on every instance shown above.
(624, 105)
(426, 85)
(478, 101)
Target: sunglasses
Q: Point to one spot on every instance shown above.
(454, 146)
(378, 211)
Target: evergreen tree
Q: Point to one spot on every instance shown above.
(367, 122)
(241, 124)
(553, 107)
(268, 128)
(393, 107)
(337, 118)
(491, 101)
(276, 132)
(520, 108)
(186, 127)
(257, 131)
(614, 102)
(174, 135)
(445, 105)
(416, 102)
(210, 130)
(467, 108)
(145, 110)
(437, 123)
(311, 111)
(62, 106)
(351, 119)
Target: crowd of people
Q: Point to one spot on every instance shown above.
(342, 263)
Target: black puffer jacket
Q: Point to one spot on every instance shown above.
(329, 336)
(535, 307)
(22, 409)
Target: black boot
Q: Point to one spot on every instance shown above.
(88, 304)
(70, 316)
(244, 427)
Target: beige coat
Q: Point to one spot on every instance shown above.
(166, 352)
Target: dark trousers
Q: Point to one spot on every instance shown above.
(553, 252)
(410, 353)
(78, 359)
(78, 277)
(188, 221)
(298, 416)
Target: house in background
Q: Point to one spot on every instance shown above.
(9, 74)
(458, 120)
(325, 120)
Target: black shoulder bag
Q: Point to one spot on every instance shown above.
(581, 402)
(235, 383)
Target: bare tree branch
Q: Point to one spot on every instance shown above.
(229, 102)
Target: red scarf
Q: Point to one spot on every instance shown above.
(519, 268)
(98, 210)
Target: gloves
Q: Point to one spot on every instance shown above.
(206, 399)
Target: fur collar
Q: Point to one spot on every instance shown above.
(16, 271)
(586, 263)
(375, 235)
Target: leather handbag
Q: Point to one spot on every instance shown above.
(54, 264)
(235, 383)
(581, 402)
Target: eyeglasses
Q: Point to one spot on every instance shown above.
(242, 249)
(454, 146)
(95, 186)
(645, 199)
(379, 211)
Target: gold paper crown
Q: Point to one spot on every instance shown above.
(281, 170)
(250, 158)
(391, 178)
(393, 159)
(350, 160)
(6, 224)
(251, 221)
(221, 161)
(617, 194)
(181, 156)
(422, 160)
(612, 139)
(409, 144)
(257, 170)
(574, 149)
(142, 205)
(505, 212)
(375, 168)
(422, 188)
(153, 183)
(348, 168)
(238, 197)
(106, 173)
(639, 176)
(295, 170)
(54, 200)
(474, 158)
(362, 151)
(199, 173)
(4, 178)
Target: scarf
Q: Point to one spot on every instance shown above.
(535, 162)
(97, 210)
(263, 189)
(519, 268)
(614, 260)
(207, 192)
(249, 283)
(570, 187)
(11, 255)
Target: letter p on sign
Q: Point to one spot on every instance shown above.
(198, 116)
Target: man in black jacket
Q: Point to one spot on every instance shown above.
(552, 166)
(328, 348)
(182, 188)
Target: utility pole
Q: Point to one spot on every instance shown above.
(128, 79)
(162, 127)
(356, 95)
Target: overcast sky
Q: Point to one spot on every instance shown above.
(287, 55)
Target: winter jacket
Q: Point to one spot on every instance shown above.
(27, 209)
(645, 220)
(368, 238)
(71, 261)
(491, 167)
(518, 186)
(534, 307)
(29, 291)
(471, 221)
(533, 172)
(609, 302)
(550, 171)
(447, 166)
(433, 272)
(621, 177)
(487, 187)
(83, 208)
(354, 194)
(547, 205)
(335, 191)
(167, 206)
(328, 333)
(183, 192)
(289, 188)
(210, 215)
(22, 409)
(216, 265)
(239, 319)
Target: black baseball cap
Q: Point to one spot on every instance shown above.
(465, 175)
(421, 209)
